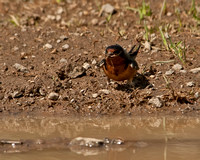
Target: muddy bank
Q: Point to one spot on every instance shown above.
(49, 54)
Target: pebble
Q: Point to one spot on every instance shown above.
(47, 46)
(105, 91)
(170, 72)
(177, 67)
(20, 68)
(195, 70)
(190, 84)
(65, 47)
(17, 94)
(86, 65)
(156, 102)
(107, 8)
(196, 95)
(147, 45)
(94, 62)
(53, 96)
(15, 48)
(60, 10)
(94, 21)
(183, 71)
(169, 14)
(63, 37)
(63, 60)
(95, 95)
(58, 41)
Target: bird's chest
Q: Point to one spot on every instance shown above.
(118, 69)
(116, 65)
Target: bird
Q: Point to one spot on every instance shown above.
(120, 65)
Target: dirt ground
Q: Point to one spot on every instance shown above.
(50, 50)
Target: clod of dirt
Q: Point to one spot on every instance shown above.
(156, 102)
(77, 72)
(53, 96)
(20, 68)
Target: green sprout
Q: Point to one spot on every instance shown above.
(109, 17)
(146, 35)
(193, 11)
(177, 48)
(14, 20)
(143, 11)
(163, 9)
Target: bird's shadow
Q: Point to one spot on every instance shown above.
(140, 82)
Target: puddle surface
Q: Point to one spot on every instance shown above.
(152, 138)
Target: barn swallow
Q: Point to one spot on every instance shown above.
(120, 65)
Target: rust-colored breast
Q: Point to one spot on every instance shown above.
(117, 69)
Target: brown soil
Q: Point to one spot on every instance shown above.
(27, 26)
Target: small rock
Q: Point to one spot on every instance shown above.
(42, 92)
(63, 60)
(183, 71)
(94, 21)
(63, 37)
(47, 46)
(20, 68)
(65, 47)
(58, 18)
(86, 65)
(15, 49)
(17, 94)
(94, 62)
(190, 84)
(196, 95)
(177, 67)
(53, 96)
(105, 91)
(60, 10)
(195, 70)
(170, 72)
(169, 14)
(147, 45)
(156, 102)
(95, 95)
(107, 8)
(58, 41)
(77, 72)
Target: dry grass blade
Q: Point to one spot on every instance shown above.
(14, 20)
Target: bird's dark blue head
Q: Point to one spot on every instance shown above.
(114, 50)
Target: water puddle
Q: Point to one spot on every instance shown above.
(55, 138)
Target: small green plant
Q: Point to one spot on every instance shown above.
(177, 11)
(14, 20)
(193, 11)
(163, 38)
(108, 17)
(146, 35)
(143, 11)
(163, 9)
(177, 48)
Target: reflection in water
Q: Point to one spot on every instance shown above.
(145, 137)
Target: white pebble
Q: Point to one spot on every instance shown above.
(47, 46)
